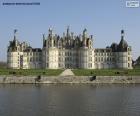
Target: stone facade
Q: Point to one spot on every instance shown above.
(70, 80)
(68, 51)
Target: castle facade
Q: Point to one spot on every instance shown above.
(68, 51)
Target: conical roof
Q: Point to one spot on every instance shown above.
(122, 46)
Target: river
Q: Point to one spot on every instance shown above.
(69, 100)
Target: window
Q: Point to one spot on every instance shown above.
(101, 58)
(96, 59)
(128, 65)
(90, 58)
(90, 65)
(101, 54)
(107, 59)
(113, 59)
(59, 59)
(128, 49)
(90, 52)
(30, 59)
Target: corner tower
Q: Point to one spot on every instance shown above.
(124, 56)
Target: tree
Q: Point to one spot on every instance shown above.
(138, 61)
(3, 64)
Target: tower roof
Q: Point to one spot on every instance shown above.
(122, 47)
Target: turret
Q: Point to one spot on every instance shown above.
(85, 33)
(123, 44)
(84, 37)
(122, 34)
(91, 36)
(15, 37)
(72, 35)
(68, 32)
(122, 52)
(44, 41)
(51, 39)
(50, 32)
(15, 33)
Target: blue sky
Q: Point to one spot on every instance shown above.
(103, 19)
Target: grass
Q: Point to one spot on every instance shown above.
(107, 72)
(27, 72)
(137, 67)
(77, 72)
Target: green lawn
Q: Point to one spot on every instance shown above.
(106, 72)
(26, 72)
(77, 72)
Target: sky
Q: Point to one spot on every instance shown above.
(103, 19)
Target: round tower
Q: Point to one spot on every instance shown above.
(13, 53)
(122, 60)
(84, 38)
(83, 52)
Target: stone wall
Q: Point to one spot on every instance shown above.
(69, 79)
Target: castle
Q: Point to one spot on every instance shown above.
(68, 51)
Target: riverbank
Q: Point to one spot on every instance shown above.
(68, 79)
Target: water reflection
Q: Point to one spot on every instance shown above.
(69, 100)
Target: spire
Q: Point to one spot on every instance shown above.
(50, 31)
(72, 35)
(91, 36)
(84, 32)
(15, 33)
(51, 37)
(84, 37)
(68, 31)
(123, 44)
(63, 35)
(43, 38)
(122, 34)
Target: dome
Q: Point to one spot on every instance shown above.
(122, 45)
(114, 47)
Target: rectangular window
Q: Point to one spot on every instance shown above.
(90, 65)
(128, 65)
(102, 59)
(96, 59)
(107, 59)
(90, 52)
(59, 59)
(99, 59)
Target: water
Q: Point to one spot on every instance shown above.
(69, 100)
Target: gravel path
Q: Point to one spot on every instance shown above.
(67, 72)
